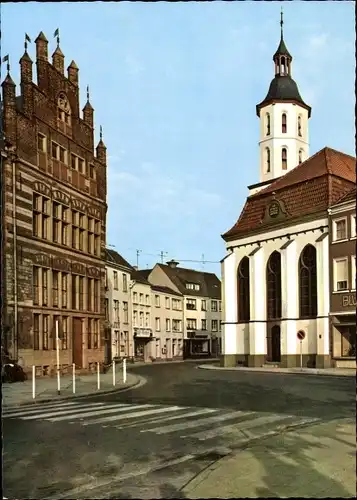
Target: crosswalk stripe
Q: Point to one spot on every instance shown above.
(238, 426)
(132, 415)
(81, 411)
(24, 411)
(11, 409)
(196, 423)
(107, 409)
(175, 417)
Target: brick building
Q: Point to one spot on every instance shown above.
(54, 189)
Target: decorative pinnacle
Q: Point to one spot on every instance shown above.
(100, 133)
(87, 93)
(281, 22)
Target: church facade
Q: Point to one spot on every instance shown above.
(275, 275)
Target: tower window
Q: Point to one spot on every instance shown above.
(283, 123)
(284, 161)
(299, 127)
(63, 109)
(268, 123)
(300, 156)
(282, 66)
(268, 159)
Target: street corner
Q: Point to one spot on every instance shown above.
(134, 381)
(210, 367)
(207, 483)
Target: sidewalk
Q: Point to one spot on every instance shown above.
(314, 462)
(341, 372)
(20, 393)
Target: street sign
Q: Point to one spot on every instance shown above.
(301, 334)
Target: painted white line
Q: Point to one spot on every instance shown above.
(11, 409)
(238, 426)
(197, 423)
(133, 415)
(102, 411)
(98, 408)
(129, 410)
(121, 477)
(165, 419)
(56, 409)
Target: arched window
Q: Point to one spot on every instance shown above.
(299, 127)
(300, 156)
(243, 290)
(267, 154)
(283, 63)
(308, 282)
(273, 279)
(64, 109)
(284, 159)
(283, 123)
(268, 124)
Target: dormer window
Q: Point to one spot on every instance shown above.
(284, 160)
(268, 123)
(283, 123)
(299, 127)
(192, 286)
(64, 109)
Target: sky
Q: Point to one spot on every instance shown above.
(174, 86)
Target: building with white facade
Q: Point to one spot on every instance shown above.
(276, 271)
(118, 306)
(141, 297)
(200, 293)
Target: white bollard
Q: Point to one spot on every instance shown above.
(124, 371)
(113, 372)
(58, 362)
(98, 376)
(74, 377)
(33, 382)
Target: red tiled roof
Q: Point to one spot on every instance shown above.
(312, 186)
(350, 196)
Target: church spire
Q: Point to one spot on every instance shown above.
(282, 56)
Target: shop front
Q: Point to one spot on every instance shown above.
(343, 331)
(196, 346)
(142, 343)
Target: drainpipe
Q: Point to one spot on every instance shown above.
(14, 331)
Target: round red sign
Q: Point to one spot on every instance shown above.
(301, 334)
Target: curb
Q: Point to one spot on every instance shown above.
(139, 382)
(297, 372)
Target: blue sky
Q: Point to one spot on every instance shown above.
(175, 88)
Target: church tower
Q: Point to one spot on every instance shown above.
(284, 132)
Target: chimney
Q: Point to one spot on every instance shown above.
(172, 263)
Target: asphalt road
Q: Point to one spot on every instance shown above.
(149, 442)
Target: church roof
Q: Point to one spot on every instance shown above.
(282, 49)
(350, 196)
(283, 88)
(311, 187)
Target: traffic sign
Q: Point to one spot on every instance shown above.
(301, 334)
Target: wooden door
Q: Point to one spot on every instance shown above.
(77, 342)
(275, 343)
